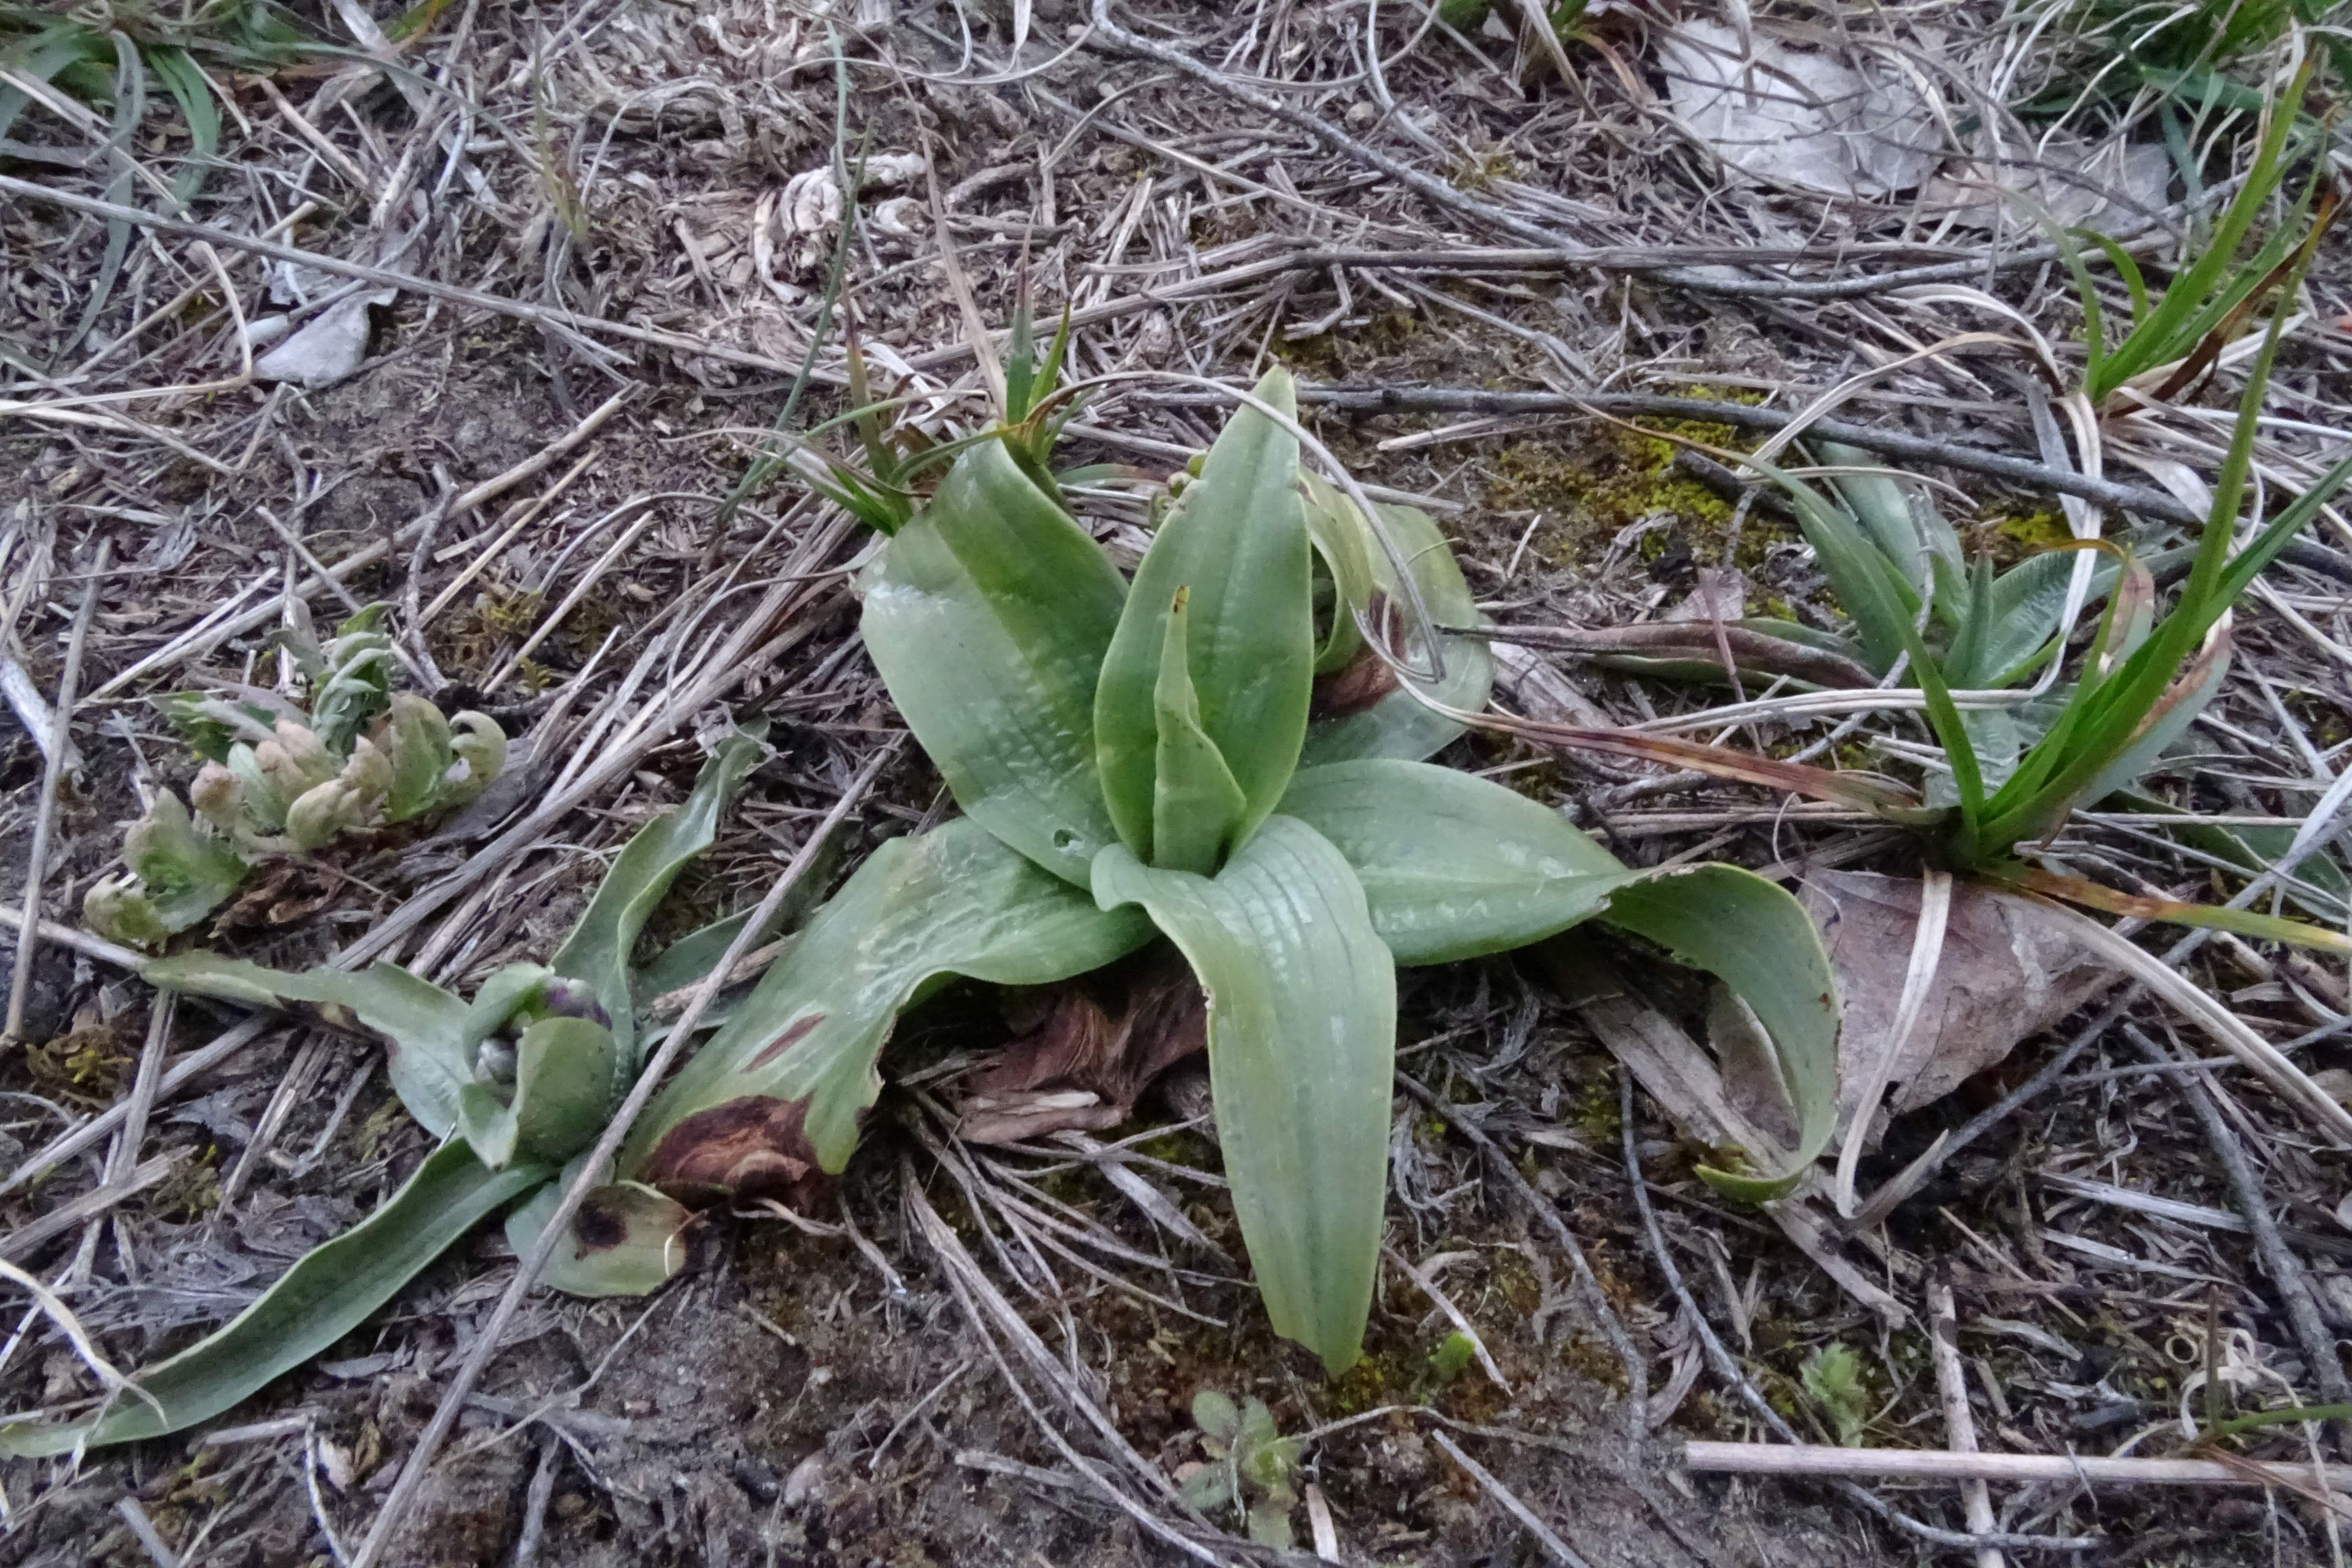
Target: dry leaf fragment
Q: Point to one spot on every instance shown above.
(1797, 118)
(1089, 1055)
(325, 350)
(2002, 978)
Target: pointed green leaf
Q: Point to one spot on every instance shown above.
(1237, 539)
(421, 1024)
(626, 1240)
(1302, 1046)
(1196, 806)
(1397, 725)
(988, 621)
(776, 1094)
(599, 947)
(1756, 937)
(326, 1295)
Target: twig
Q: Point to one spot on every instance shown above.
(1959, 1421)
(68, 1143)
(1870, 437)
(966, 1281)
(384, 277)
(26, 1238)
(1944, 1465)
(144, 1087)
(395, 1509)
(45, 809)
(1453, 1315)
(2287, 1272)
(74, 937)
(32, 709)
(1560, 1551)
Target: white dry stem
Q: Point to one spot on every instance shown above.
(1959, 1421)
(1927, 954)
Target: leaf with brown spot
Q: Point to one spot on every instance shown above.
(755, 1146)
(626, 1240)
(920, 911)
(1095, 1051)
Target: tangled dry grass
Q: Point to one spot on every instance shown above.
(563, 272)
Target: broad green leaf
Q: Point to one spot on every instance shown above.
(988, 621)
(1453, 866)
(1196, 806)
(1302, 1046)
(777, 1093)
(1236, 539)
(626, 1240)
(1907, 529)
(326, 1295)
(1757, 938)
(562, 1094)
(598, 949)
(421, 1025)
(1397, 724)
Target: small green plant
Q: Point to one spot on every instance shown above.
(1831, 1377)
(277, 780)
(885, 493)
(1145, 759)
(518, 1084)
(1249, 1467)
(2144, 678)
(2175, 338)
(1453, 1354)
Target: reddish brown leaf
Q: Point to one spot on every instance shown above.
(750, 1147)
(1092, 1052)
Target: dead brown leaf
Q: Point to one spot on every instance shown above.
(1089, 1052)
(2001, 979)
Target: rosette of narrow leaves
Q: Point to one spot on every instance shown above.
(1131, 757)
(518, 1084)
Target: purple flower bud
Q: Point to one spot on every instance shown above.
(562, 998)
